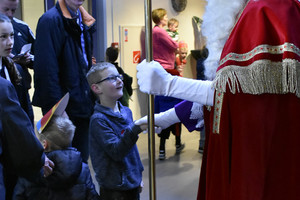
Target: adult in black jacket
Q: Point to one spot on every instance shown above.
(20, 151)
(63, 55)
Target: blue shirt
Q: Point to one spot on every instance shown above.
(114, 154)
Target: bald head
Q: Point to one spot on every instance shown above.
(9, 7)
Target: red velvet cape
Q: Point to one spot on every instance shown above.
(252, 147)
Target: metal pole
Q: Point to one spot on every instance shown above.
(151, 134)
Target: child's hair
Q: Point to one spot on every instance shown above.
(4, 18)
(112, 54)
(183, 46)
(13, 72)
(59, 132)
(158, 14)
(93, 74)
(172, 21)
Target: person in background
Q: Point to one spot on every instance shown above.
(201, 76)
(180, 60)
(113, 136)
(172, 29)
(21, 153)
(22, 35)
(71, 178)
(162, 104)
(11, 72)
(63, 56)
(112, 54)
(164, 49)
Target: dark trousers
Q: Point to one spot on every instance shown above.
(165, 134)
(81, 136)
(107, 194)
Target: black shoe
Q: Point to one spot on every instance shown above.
(179, 148)
(162, 155)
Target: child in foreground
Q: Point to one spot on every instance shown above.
(71, 178)
(113, 136)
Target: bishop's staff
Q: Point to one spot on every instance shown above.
(151, 132)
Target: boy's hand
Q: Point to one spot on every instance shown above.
(144, 126)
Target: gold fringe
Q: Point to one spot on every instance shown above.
(262, 76)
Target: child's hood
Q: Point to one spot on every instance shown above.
(68, 166)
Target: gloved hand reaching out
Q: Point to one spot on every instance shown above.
(161, 120)
(153, 79)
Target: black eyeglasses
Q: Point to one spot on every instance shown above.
(111, 79)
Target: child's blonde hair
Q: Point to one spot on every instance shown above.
(172, 21)
(59, 132)
(94, 74)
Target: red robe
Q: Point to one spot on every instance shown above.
(252, 147)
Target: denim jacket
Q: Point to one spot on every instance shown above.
(113, 148)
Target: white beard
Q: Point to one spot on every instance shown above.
(218, 20)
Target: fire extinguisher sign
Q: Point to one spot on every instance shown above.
(136, 57)
(126, 34)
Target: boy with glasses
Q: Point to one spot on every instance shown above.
(113, 136)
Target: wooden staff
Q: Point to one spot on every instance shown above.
(151, 132)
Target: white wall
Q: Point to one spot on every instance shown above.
(131, 12)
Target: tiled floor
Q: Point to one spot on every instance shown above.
(176, 177)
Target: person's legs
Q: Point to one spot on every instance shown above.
(176, 130)
(201, 141)
(164, 135)
(162, 149)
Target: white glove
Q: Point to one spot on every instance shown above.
(157, 130)
(162, 120)
(153, 79)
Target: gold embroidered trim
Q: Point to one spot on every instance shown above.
(262, 76)
(280, 49)
(217, 111)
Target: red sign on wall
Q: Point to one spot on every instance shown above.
(126, 35)
(136, 57)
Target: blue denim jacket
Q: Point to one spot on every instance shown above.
(113, 148)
